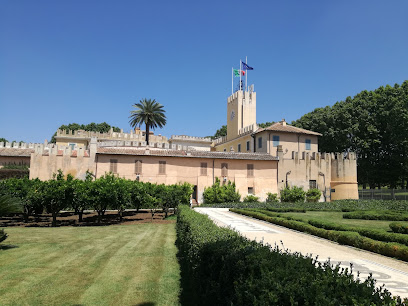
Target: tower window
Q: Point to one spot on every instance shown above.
(250, 170)
(203, 169)
(247, 145)
(224, 169)
(162, 167)
(138, 166)
(308, 143)
(275, 139)
(259, 142)
(113, 166)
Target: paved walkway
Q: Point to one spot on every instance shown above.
(391, 272)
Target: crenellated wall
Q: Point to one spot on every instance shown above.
(334, 174)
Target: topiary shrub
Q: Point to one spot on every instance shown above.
(400, 228)
(294, 194)
(272, 197)
(218, 193)
(313, 195)
(250, 198)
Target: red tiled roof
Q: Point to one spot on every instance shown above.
(16, 152)
(279, 127)
(192, 154)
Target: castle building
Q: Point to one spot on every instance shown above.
(258, 160)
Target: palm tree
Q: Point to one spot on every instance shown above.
(149, 112)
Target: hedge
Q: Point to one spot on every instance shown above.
(377, 215)
(399, 228)
(339, 205)
(352, 238)
(219, 267)
(13, 173)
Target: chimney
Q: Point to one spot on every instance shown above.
(283, 122)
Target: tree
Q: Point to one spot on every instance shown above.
(220, 132)
(91, 127)
(148, 112)
(3, 140)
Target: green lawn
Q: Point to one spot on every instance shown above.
(337, 217)
(112, 265)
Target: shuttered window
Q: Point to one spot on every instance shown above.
(203, 169)
(113, 166)
(162, 167)
(138, 166)
(250, 170)
(224, 169)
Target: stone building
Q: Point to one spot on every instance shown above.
(258, 160)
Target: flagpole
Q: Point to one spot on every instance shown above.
(246, 73)
(240, 71)
(232, 80)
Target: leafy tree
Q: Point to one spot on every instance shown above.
(313, 195)
(3, 140)
(220, 132)
(272, 197)
(250, 198)
(148, 112)
(294, 194)
(82, 198)
(9, 205)
(266, 124)
(92, 127)
(218, 193)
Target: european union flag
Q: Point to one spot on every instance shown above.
(246, 67)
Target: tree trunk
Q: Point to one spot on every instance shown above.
(54, 219)
(147, 133)
(80, 213)
(120, 212)
(99, 216)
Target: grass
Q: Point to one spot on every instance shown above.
(337, 217)
(115, 265)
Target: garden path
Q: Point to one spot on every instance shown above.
(391, 272)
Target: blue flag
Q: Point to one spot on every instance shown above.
(246, 67)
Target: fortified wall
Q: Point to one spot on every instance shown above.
(335, 174)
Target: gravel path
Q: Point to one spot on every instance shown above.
(391, 272)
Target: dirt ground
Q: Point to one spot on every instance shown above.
(89, 219)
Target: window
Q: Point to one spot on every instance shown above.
(275, 139)
(72, 145)
(225, 150)
(247, 145)
(312, 184)
(239, 147)
(138, 166)
(224, 169)
(308, 144)
(113, 166)
(162, 167)
(250, 170)
(251, 190)
(203, 169)
(259, 142)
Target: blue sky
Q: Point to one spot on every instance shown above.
(88, 61)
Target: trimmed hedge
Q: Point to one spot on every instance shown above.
(13, 173)
(377, 215)
(342, 236)
(399, 228)
(219, 267)
(340, 205)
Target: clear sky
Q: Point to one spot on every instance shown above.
(89, 60)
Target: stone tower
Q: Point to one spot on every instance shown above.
(241, 112)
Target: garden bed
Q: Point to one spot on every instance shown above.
(90, 218)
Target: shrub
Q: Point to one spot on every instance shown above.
(223, 268)
(272, 197)
(3, 235)
(294, 194)
(399, 228)
(9, 205)
(250, 198)
(218, 193)
(313, 195)
(377, 215)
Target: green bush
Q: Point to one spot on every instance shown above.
(294, 194)
(250, 198)
(313, 195)
(218, 193)
(399, 228)
(272, 197)
(9, 205)
(3, 235)
(219, 267)
(377, 215)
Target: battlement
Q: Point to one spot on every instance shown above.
(18, 145)
(133, 135)
(190, 138)
(220, 140)
(247, 130)
(326, 156)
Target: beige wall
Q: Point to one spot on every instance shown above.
(183, 169)
(243, 104)
(80, 143)
(234, 144)
(344, 177)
